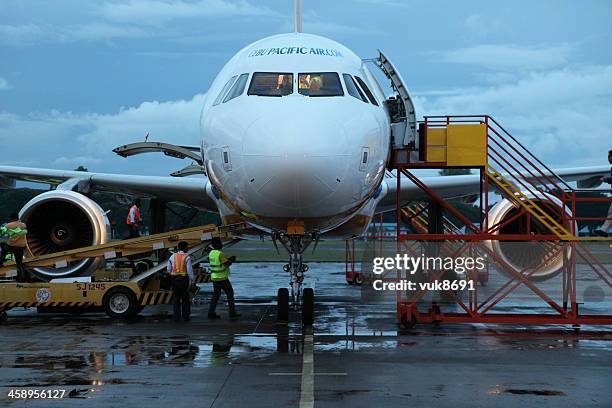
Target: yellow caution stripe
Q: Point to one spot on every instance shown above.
(155, 298)
(9, 305)
(163, 297)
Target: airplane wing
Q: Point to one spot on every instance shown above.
(192, 191)
(462, 186)
(188, 190)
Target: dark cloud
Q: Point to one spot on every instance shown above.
(70, 66)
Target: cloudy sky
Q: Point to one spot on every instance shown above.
(78, 78)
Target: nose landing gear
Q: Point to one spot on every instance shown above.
(300, 298)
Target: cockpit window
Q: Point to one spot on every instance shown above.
(224, 90)
(320, 84)
(238, 88)
(352, 88)
(271, 84)
(366, 90)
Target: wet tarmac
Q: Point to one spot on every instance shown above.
(355, 356)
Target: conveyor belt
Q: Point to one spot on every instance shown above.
(129, 247)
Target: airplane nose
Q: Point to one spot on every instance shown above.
(294, 166)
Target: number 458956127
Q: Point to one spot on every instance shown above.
(30, 393)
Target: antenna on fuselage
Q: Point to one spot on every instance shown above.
(297, 17)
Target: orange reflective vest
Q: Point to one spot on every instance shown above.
(179, 264)
(136, 215)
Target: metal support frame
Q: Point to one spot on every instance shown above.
(375, 236)
(295, 245)
(519, 171)
(479, 310)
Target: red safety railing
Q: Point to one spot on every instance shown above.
(553, 199)
(518, 174)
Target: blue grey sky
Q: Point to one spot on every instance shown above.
(78, 78)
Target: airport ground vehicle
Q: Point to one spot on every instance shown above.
(120, 288)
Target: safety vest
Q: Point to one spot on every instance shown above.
(16, 232)
(179, 264)
(136, 215)
(219, 272)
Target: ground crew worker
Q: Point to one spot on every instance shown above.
(603, 231)
(16, 231)
(220, 272)
(133, 220)
(181, 278)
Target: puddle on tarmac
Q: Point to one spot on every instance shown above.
(355, 344)
(75, 380)
(522, 391)
(546, 393)
(45, 362)
(218, 350)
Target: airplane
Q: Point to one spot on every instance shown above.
(296, 135)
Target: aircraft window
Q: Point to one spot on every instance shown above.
(320, 84)
(352, 88)
(238, 88)
(271, 84)
(366, 90)
(224, 90)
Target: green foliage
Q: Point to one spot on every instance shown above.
(118, 213)
(81, 168)
(12, 200)
(454, 172)
(470, 211)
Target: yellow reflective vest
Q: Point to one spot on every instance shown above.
(219, 272)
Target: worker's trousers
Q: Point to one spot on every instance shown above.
(608, 223)
(18, 252)
(181, 298)
(134, 231)
(226, 287)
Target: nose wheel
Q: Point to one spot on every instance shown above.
(308, 307)
(301, 299)
(284, 306)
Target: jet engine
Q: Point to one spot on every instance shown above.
(60, 221)
(544, 256)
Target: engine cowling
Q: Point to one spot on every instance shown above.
(60, 221)
(523, 255)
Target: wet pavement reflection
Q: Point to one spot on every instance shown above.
(360, 357)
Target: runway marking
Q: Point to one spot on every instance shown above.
(265, 313)
(231, 370)
(307, 387)
(289, 374)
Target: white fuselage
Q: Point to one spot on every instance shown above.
(273, 160)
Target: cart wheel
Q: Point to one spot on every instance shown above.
(357, 279)
(120, 303)
(308, 307)
(282, 307)
(142, 265)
